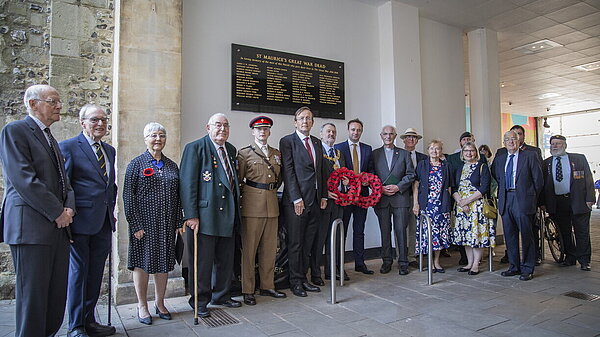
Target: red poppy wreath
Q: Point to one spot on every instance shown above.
(374, 183)
(348, 198)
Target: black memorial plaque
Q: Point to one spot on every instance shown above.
(270, 81)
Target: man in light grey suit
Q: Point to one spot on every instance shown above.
(394, 167)
(36, 213)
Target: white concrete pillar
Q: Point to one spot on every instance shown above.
(484, 83)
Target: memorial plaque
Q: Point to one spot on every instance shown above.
(270, 81)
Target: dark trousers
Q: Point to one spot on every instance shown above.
(359, 216)
(41, 286)
(215, 267)
(400, 222)
(324, 236)
(86, 268)
(569, 223)
(301, 232)
(516, 222)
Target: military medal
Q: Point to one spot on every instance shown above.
(277, 159)
(207, 176)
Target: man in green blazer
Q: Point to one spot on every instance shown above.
(210, 200)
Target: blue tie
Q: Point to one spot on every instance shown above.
(331, 154)
(509, 173)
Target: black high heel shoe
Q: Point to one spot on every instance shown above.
(145, 320)
(166, 315)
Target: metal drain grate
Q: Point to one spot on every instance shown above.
(219, 317)
(582, 296)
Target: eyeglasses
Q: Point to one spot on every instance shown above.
(509, 139)
(469, 150)
(95, 120)
(385, 134)
(53, 102)
(219, 125)
(157, 135)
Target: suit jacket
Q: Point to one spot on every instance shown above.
(33, 195)
(528, 181)
(420, 156)
(328, 164)
(480, 178)
(301, 179)
(95, 194)
(256, 202)
(581, 185)
(366, 161)
(422, 176)
(402, 169)
(205, 191)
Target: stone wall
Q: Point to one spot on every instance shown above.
(65, 43)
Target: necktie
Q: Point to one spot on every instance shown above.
(227, 167)
(265, 150)
(413, 157)
(100, 157)
(355, 164)
(331, 153)
(559, 173)
(509, 173)
(59, 163)
(310, 154)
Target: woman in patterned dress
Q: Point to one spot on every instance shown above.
(471, 228)
(432, 197)
(153, 211)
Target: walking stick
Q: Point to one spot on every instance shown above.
(110, 282)
(196, 276)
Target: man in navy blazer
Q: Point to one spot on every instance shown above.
(357, 156)
(89, 164)
(304, 195)
(394, 167)
(36, 213)
(568, 197)
(520, 182)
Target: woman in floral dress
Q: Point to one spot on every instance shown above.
(471, 228)
(432, 197)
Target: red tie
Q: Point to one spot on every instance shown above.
(310, 154)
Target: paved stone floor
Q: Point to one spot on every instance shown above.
(392, 305)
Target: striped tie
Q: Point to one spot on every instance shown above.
(100, 157)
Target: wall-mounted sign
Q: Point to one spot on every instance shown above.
(270, 81)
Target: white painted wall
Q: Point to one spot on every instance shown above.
(442, 71)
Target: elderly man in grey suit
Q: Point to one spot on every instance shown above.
(36, 213)
(394, 167)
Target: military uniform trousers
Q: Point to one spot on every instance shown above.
(259, 238)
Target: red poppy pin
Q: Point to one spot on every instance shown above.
(148, 172)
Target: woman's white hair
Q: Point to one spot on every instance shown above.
(152, 127)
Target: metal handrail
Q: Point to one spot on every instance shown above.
(491, 249)
(429, 248)
(334, 228)
(542, 233)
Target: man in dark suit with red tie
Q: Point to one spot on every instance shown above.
(304, 194)
(357, 156)
(568, 197)
(520, 182)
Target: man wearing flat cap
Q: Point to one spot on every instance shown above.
(260, 174)
(411, 138)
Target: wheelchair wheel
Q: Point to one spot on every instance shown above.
(555, 241)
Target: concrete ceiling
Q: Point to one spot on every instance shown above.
(525, 78)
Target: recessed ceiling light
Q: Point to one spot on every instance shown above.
(536, 47)
(589, 66)
(548, 95)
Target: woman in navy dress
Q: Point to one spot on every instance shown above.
(153, 212)
(432, 197)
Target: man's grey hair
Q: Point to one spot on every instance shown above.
(389, 126)
(328, 123)
(511, 132)
(89, 108)
(153, 127)
(34, 92)
(213, 117)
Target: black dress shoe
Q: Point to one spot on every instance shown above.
(463, 270)
(403, 270)
(385, 268)
(272, 293)
(567, 263)
(249, 299)
(363, 269)
(230, 303)
(538, 261)
(317, 280)
(77, 332)
(526, 277)
(473, 272)
(203, 313)
(310, 287)
(508, 273)
(298, 291)
(162, 315)
(439, 270)
(586, 267)
(144, 320)
(95, 329)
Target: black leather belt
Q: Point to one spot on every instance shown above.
(268, 187)
(566, 195)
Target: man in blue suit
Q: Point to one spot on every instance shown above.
(520, 182)
(357, 156)
(89, 164)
